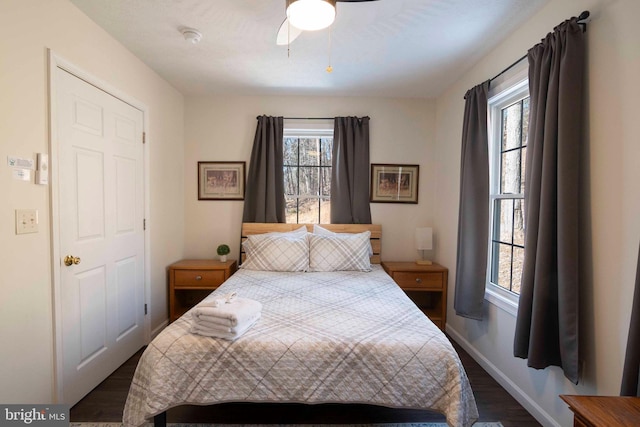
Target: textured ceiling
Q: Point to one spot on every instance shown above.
(391, 48)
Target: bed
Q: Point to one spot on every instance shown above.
(323, 337)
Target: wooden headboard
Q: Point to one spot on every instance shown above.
(249, 228)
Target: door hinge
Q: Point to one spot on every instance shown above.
(144, 137)
(145, 309)
(144, 224)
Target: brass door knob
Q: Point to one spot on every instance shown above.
(70, 260)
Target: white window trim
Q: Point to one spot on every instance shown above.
(502, 94)
(305, 127)
(300, 128)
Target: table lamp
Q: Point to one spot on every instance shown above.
(424, 242)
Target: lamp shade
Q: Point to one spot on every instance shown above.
(424, 239)
(311, 15)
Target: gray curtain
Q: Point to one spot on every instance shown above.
(350, 171)
(473, 216)
(631, 374)
(264, 197)
(547, 322)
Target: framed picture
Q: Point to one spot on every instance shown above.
(394, 183)
(221, 180)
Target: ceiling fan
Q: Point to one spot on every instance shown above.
(308, 15)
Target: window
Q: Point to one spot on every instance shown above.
(307, 175)
(509, 120)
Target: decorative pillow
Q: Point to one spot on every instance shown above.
(340, 252)
(276, 252)
(324, 232)
(298, 232)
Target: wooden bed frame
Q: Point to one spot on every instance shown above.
(249, 228)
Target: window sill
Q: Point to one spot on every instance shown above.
(502, 300)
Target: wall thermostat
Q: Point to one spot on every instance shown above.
(42, 172)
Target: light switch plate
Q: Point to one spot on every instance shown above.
(26, 221)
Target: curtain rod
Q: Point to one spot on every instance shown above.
(305, 118)
(320, 118)
(309, 118)
(583, 18)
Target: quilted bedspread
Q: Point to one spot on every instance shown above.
(338, 337)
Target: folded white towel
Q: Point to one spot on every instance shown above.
(229, 336)
(217, 302)
(213, 320)
(226, 329)
(239, 311)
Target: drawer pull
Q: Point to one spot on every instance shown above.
(198, 277)
(418, 280)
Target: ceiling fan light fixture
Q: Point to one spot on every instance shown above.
(311, 15)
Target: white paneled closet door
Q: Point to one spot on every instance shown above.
(101, 237)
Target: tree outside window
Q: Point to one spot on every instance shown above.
(307, 179)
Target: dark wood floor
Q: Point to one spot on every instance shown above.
(106, 402)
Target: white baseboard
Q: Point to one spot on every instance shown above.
(157, 330)
(529, 404)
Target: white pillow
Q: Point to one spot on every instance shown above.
(324, 232)
(276, 252)
(298, 232)
(340, 252)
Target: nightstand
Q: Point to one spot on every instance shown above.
(595, 411)
(191, 280)
(426, 285)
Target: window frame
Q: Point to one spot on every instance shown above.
(511, 90)
(308, 129)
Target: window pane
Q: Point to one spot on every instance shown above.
(291, 209)
(309, 151)
(510, 172)
(504, 266)
(290, 180)
(518, 262)
(327, 148)
(291, 151)
(309, 181)
(309, 210)
(518, 222)
(503, 212)
(511, 126)
(325, 183)
(325, 211)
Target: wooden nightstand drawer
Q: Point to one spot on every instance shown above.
(191, 280)
(414, 280)
(196, 278)
(426, 285)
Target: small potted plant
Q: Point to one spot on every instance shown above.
(223, 250)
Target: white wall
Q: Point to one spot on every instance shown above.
(223, 128)
(610, 201)
(27, 29)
